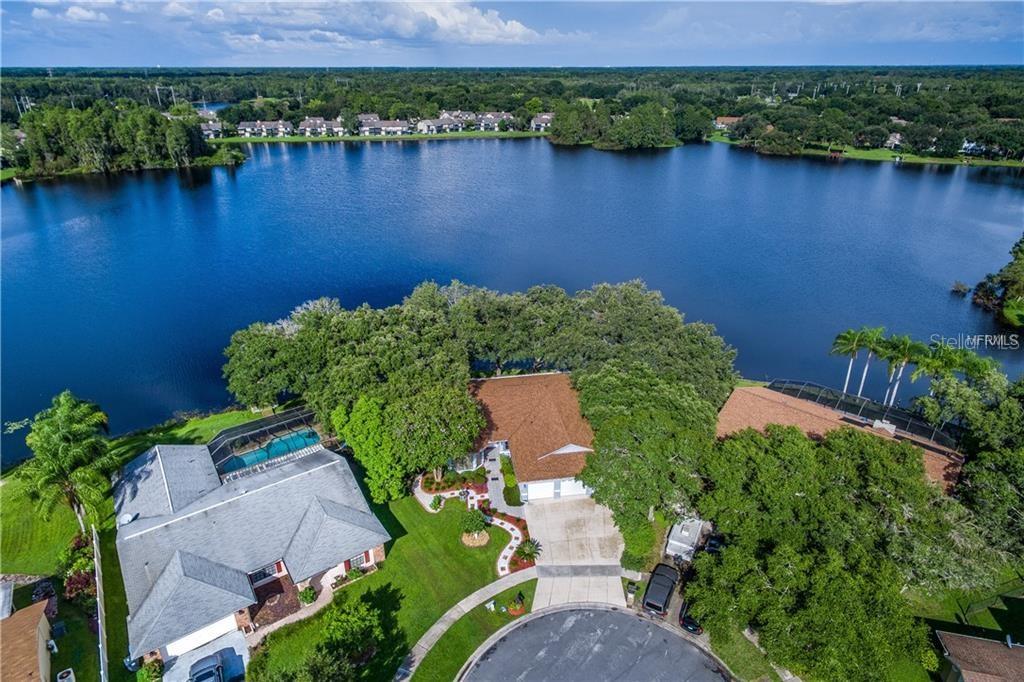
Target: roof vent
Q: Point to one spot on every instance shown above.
(125, 519)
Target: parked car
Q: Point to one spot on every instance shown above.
(207, 669)
(659, 589)
(688, 622)
(714, 544)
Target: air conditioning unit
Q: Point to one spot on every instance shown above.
(66, 675)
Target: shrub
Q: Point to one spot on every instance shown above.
(307, 595)
(511, 495)
(354, 574)
(473, 522)
(436, 503)
(639, 538)
(528, 550)
(152, 671)
(80, 587)
(76, 557)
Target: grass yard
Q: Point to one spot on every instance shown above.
(455, 647)
(427, 570)
(744, 659)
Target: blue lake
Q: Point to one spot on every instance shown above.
(126, 289)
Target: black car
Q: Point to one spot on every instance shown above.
(659, 589)
(688, 622)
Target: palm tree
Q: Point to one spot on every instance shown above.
(872, 339)
(904, 350)
(937, 360)
(847, 343)
(70, 452)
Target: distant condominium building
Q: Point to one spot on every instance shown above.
(378, 127)
(212, 130)
(432, 126)
(490, 120)
(317, 126)
(265, 128)
(541, 121)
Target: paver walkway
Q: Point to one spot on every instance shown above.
(496, 484)
(452, 615)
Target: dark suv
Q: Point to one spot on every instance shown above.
(659, 589)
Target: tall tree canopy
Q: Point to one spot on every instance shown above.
(392, 382)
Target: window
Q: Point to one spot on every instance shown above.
(268, 571)
(358, 560)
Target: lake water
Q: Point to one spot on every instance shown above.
(127, 289)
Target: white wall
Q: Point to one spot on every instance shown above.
(202, 636)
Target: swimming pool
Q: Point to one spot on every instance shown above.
(282, 445)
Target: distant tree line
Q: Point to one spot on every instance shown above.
(108, 137)
(784, 109)
(393, 382)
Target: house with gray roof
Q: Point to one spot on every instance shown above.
(542, 121)
(491, 120)
(204, 551)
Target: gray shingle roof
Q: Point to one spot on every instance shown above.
(328, 529)
(164, 479)
(186, 582)
(245, 524)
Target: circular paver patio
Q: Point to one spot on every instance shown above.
(585, 645)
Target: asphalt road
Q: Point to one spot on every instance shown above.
(593, 646)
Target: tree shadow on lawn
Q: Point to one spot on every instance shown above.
(386, 599)
(1011, 617)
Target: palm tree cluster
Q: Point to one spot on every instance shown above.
(932, 361)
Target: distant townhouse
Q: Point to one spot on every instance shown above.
(490, 120)
(265, 128)
(207, 114)
(319, 127)
(726, 122)
(459, 115)
(378, 127)
(897, 121)
(541, 121)
(433, 126)
(212, 130)
(895, 141)
(367, 118)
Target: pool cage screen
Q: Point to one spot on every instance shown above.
(253, 435)
(866, 410)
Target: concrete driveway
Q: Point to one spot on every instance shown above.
(574, 531)
(234, 654)
(580, 549)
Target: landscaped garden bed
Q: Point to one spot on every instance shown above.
(353, 575)
(475, 480)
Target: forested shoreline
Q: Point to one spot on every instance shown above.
(938, 112)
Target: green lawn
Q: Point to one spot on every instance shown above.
(427, 570)
(464, 135)
(455, 647)
(744, 659)
(7, 173)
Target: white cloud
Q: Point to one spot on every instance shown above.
(77, 13)
(176, 9)
(41, 13)
(215, 14)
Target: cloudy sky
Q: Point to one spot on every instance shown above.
(298, 33)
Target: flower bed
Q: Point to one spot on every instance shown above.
(486, 508)
(352, 576)
(517, 564)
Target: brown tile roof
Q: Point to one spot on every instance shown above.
(19, 646)
(984, 660)
(537, 414)
(755, 407)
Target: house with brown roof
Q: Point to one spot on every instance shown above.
(754, 407)
(974, 659)
(535, 419)
(726, 122)
(24, 656)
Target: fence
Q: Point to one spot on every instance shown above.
(250, 435)
(101, 609)
(1009, 588)
(868, 410)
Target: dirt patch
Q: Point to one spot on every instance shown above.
(475, 539)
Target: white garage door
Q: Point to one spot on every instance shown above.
(540, 491)
(570, 486)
